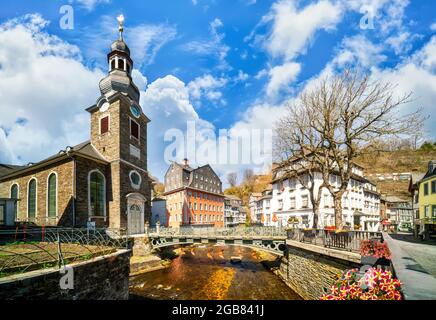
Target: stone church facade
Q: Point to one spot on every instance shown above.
(104, 180)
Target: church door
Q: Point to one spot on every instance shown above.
(135, 216)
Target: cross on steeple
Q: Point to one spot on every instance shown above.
(120, 19)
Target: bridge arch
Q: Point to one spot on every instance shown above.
(275, 247)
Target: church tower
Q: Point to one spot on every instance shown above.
(119, 134)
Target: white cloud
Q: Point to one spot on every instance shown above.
(91, 4)
(417, 75)
(144, 40)
(241, 77)
(358, 51)
(281, 77)
(213, 47)
(207, 87)
(167, 103)
(293, 29)
(44, 89)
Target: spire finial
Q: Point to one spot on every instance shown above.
(120, 19)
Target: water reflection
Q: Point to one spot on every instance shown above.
(206, 273)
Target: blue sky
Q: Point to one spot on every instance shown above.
(226, 64)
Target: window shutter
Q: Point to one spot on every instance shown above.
(104, 125)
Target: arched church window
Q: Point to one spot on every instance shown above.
(113, 64)
(97, 194)
(52, 196)
(31, 199)
(121, 64)
(15, 195)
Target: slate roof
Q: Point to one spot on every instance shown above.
(6, 169)
(84, 149)
(431, 171)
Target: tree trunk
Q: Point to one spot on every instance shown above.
(338, 212)
(315, 216)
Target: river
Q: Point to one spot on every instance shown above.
(206, 273)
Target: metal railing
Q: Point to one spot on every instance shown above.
(344, 240)
(28, 249)
(265, 232)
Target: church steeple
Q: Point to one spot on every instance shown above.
(120, 69)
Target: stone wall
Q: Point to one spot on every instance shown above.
(64, 172)
(83, 168)
(308, 272)
(103, 278)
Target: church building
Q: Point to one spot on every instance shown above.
(104, 180)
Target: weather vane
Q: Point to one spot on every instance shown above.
(120, 19)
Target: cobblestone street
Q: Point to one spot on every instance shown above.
(423, 252)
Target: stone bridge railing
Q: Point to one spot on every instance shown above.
(265, 238)
(250, 232)
(344, 240)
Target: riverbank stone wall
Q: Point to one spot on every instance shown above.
(307, 269)
(102, 278)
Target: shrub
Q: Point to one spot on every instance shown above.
(374, 248)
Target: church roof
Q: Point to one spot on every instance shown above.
(85, 150)
(120, 45)
(6, 169)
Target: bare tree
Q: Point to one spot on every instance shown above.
(248, 176)
(352, 111)
(232, 179)
(297, 147)
(346, 113)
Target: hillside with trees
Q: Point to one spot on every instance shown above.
(397, 160)
(250, 183)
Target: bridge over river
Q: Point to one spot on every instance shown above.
(269, 239)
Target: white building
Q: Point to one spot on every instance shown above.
(234, 214)
(361, 202)
(255, 210)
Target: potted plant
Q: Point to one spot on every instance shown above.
(374, 284)
(374, 252)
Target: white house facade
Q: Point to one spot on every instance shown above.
(360, 203)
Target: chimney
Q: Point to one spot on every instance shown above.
(431, 166)
(186, 162)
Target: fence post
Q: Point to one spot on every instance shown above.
(60, 257)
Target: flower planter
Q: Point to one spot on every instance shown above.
(369, 260)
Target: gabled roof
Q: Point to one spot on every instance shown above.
(85, 150)
(431, 171)
(6, 169)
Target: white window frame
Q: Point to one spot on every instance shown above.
(57, 194)
(130, 130)
(10, 189)
(18, 195)
(36, 197)
(89, 196)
